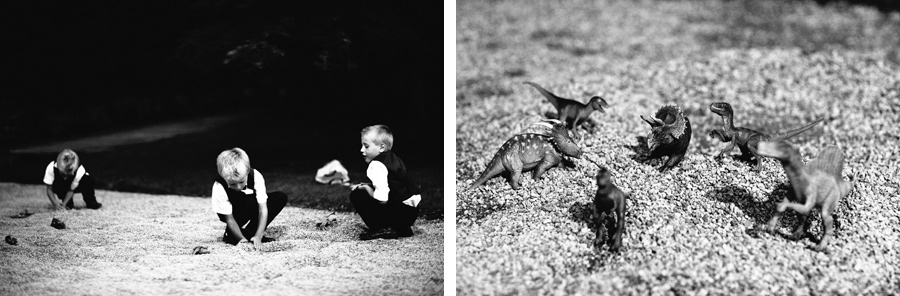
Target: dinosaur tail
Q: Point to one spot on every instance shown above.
(547, 94)
(493, 169)
(788, 134)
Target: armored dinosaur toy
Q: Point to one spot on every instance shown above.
(570, 111)
(670, 135)
(818, 184)
(746, 139)
(538, 152)
(609, 211)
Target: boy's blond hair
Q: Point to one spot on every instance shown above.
(382, 134)
(67, 162)
(233, 164)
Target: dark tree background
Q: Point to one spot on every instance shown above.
(86, 66)
(304, 77)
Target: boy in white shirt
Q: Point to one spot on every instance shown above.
(240, 199)
(65, 177)
(388, 205)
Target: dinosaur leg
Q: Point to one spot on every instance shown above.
(773, 223)
(726, 150)
(602, 231)
(620, 223)
(548, 162)
(828, 221)
(673, 161)
(515, 178)
(751, 145)
(614, 234)
(801, 228)
(802, 209)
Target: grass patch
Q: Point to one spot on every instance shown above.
(142, 244)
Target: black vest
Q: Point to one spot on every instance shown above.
(60, 182)
(236, 197)
(401, 186)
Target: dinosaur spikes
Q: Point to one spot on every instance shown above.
(543, 124)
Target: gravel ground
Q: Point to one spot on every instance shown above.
(142, 244)
(692, 230)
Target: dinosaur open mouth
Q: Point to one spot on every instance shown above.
(718, 110)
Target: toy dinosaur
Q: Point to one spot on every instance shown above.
(746, 139)
(609, 211)
(524, 152)
(817, 184)
(670, 134)
(200, 250)
(58, 224)
(571, 111)
(23, 214)
(329, 220)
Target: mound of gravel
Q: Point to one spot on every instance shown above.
(692, 230)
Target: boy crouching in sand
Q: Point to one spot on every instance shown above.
(388, 205)
(65, 177)
(240, 199)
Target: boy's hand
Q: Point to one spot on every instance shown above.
(60, 207)
(257, 241)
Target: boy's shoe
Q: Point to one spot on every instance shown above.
(404, 231)
(385, 233)
(267, 239)
(95, 206)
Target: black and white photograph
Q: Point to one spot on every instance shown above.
(695, 147)
(222, 147)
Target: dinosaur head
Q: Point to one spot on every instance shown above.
(560, 137)
(603, 177)
(777, 150)
(598, 103)
(666, 127)
(722, 109)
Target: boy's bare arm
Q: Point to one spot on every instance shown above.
(69, 195)
(261, 229)
(365, 186)
(232, 226)
(53, 199)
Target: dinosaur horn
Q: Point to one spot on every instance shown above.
(653, 121)
(543, 124)
(551, 121)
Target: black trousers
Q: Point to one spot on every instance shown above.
(377, 215)
(249, 212)
(85, 187)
